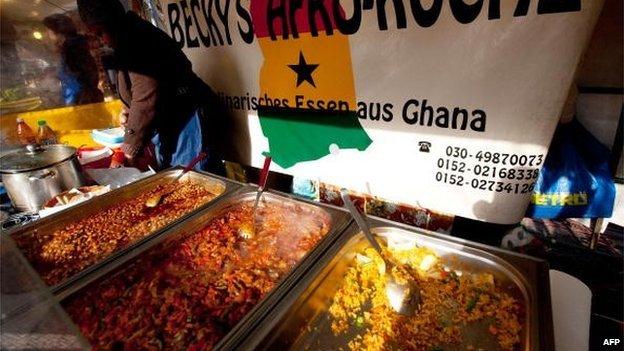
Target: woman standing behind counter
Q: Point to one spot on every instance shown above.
(166, 103)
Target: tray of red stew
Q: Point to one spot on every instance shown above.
(79, 241)
(196, 284)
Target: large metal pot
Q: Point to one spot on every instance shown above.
(35, 174)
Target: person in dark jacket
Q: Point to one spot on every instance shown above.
(166, 102)
(78, 72)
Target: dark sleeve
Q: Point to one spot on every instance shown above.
(142, 111)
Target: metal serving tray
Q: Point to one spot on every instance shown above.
(299, 321)
(340, 220)
(95, 205)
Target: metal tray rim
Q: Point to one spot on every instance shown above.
(455, 239)
(492, 259)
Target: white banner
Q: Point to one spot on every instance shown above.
(449, 104)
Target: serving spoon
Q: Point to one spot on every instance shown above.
(405, 298)
(248, 233)
(155, 199)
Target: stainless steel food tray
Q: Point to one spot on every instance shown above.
(95, 205)
(339, 218)
(307, 302)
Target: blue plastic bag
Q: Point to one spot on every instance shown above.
(575, 181)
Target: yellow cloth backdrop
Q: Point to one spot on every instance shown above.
(72, 124)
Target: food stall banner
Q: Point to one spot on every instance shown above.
(448, 104)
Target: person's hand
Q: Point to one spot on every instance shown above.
(130, 161)
(123, 116)
(129, 154)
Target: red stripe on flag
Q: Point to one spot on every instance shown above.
(259, 14)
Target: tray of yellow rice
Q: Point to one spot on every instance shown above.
(474, 297)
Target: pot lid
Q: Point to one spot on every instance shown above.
(33, 157)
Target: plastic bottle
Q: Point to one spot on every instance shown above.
(25, 135)
(46, 135)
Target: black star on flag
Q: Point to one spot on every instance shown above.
(304, 71)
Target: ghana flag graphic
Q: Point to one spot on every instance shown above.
(310, 80)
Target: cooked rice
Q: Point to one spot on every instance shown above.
(450, 301)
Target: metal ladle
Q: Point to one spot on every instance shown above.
(246, 232)
(405, 298)
(154, 200)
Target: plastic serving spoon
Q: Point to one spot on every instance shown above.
(405, 298)
(248, 233)
(154, 200)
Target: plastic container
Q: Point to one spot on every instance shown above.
(46, 135)
(25, 134)
(111, 137)
(95, 157)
